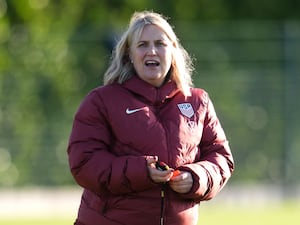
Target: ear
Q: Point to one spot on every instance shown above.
(130, 59)
(128, 54)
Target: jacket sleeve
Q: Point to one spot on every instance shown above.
(215, 164)
(92, 164)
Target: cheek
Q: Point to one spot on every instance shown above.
(133, 52)
(168, 59)
(168, 55)
(138, 55)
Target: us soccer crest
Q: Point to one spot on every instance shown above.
(186, 109)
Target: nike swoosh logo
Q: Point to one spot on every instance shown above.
(130, 111)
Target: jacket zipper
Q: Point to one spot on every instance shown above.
(157, 108)
(162, 204)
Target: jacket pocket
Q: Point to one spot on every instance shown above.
(94, 201)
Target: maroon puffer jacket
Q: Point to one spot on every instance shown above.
(117, 126)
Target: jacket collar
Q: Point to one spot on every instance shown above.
(150, 93)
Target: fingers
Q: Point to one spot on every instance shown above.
(180, 188)
(151, 160)
(179, 175)
(159, 176)
(182, 183)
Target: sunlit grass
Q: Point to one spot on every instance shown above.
(271, 214)
(37, 221)
(210, 214)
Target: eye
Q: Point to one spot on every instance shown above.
(161, 43)
(141, 44)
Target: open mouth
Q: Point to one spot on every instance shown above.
(152, 63)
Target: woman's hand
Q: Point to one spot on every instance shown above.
(182, 183)
(156, 175)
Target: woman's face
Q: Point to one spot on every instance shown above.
(151, 55)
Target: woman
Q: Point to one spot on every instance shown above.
(147, 112)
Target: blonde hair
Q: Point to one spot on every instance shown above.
(121, 68)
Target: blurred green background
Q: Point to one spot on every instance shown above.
(247, 56)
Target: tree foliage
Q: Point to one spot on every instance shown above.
(52, 52)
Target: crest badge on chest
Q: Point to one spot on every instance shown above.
(186, 109)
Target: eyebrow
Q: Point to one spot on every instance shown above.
(154, 40)
(162, 38)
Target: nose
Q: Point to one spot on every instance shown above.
(152, 50)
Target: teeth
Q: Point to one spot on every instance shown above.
(151, 62)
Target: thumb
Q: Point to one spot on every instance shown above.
(151, 159)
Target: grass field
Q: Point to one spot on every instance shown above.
(36, 221)
(277, 214)
(210, 214)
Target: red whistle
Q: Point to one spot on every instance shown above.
(176, 173)
(163, 167)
